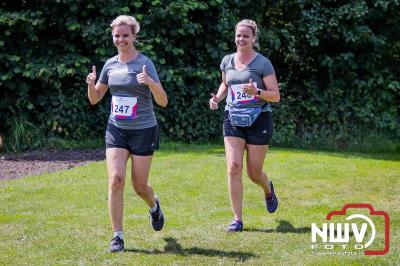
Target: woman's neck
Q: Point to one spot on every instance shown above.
(128, 55)
(245, 56)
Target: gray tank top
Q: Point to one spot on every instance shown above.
(132, 103)
(255, 70)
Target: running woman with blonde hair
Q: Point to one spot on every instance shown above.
(132, 130)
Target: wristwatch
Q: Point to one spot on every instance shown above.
(258, 92)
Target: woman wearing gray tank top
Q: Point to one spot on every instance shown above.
(249, 84)
(132, 130)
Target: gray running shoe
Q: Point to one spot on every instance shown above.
(116, 244)
(157, 217)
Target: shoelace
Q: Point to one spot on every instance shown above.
(155, 215)
(117, 241)
(269, 197)
(235, 223)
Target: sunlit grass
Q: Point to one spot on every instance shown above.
(62, 217)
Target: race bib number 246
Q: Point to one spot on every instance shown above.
(239, 96)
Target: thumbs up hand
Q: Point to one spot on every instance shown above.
(91, 77)
(144, 78)
(249, 88)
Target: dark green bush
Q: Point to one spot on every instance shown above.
(337, 62)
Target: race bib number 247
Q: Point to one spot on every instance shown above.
(124, 107)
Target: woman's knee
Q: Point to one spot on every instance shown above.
(140, 188)
(235, 168)
(254, 175)
(116, 182)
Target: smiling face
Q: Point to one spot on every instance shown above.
(244, 38)
(123, 37)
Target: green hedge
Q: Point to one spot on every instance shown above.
(337, 63)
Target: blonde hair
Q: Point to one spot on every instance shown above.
(126, 20)
(253, 25)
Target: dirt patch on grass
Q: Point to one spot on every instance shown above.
(36, 163)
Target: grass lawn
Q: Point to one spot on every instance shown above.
(62, 218)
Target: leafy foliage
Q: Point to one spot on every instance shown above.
(337, 63)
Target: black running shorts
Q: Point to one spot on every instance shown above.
(259, 133)
(140, 142)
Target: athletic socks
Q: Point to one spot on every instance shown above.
(120, 234)
(152, 210)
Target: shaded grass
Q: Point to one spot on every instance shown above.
(62, 218)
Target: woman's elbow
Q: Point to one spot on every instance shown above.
(275, 98)
(93, 101)
(163, 103)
